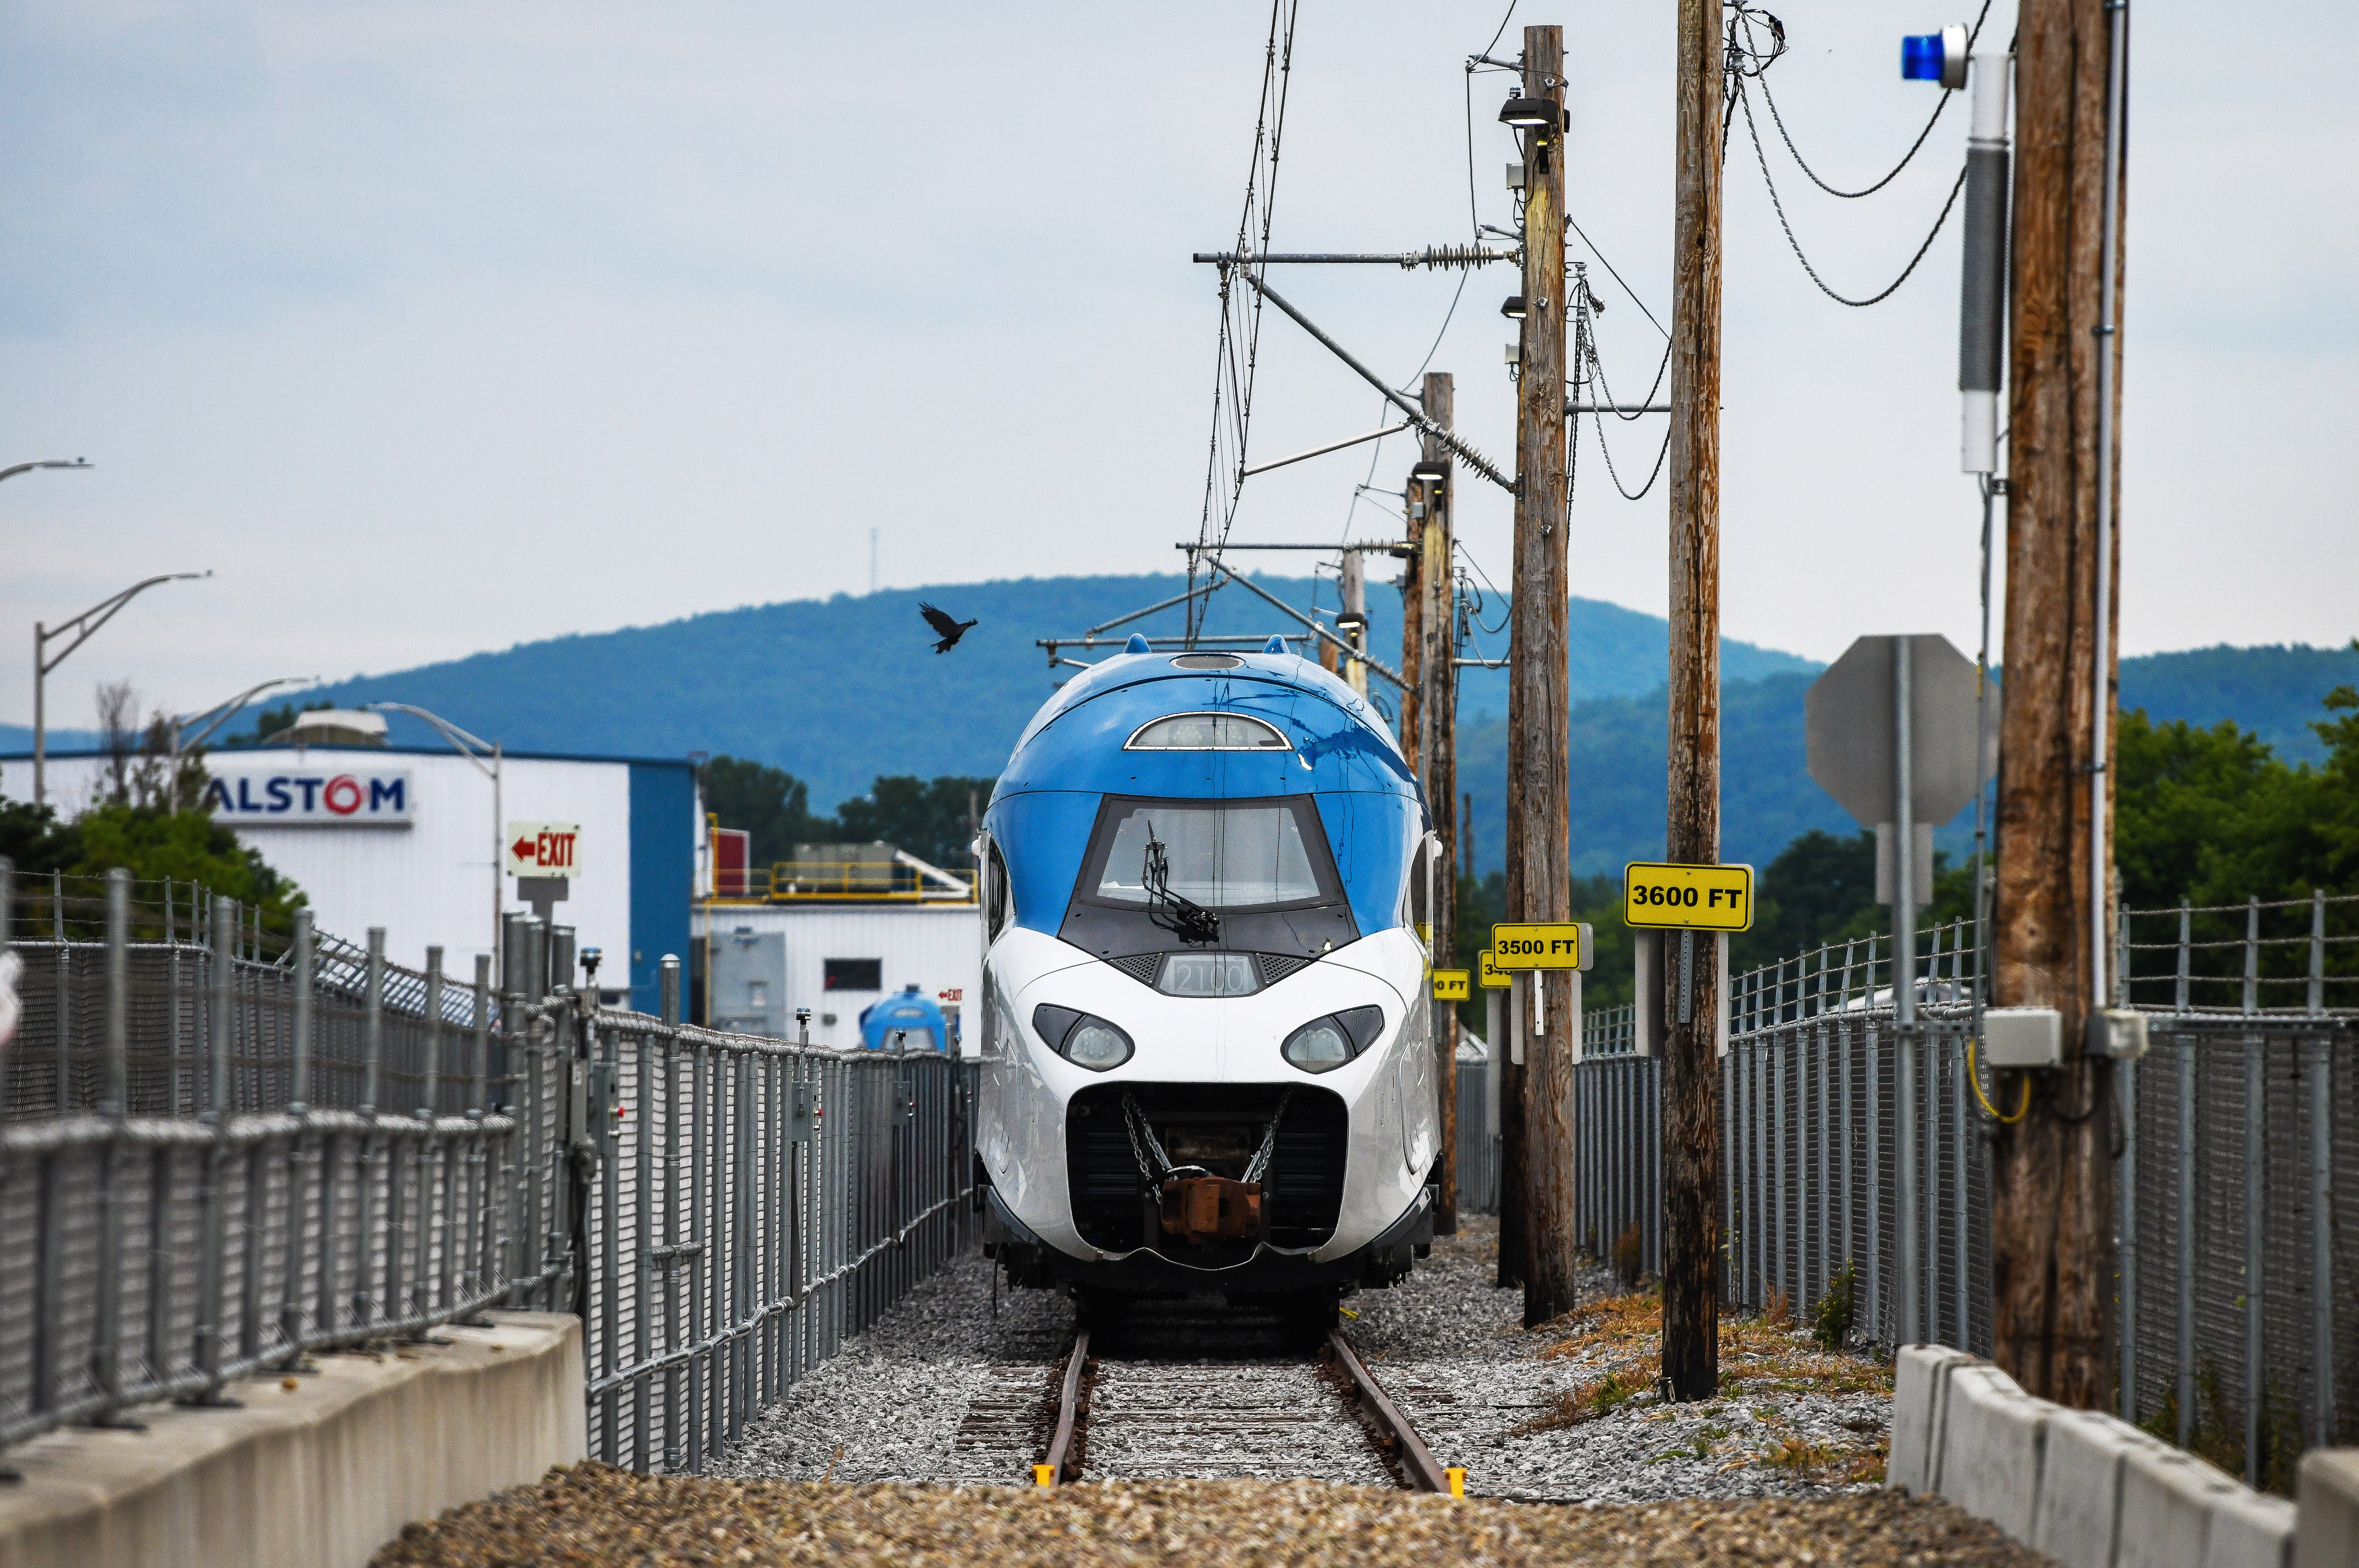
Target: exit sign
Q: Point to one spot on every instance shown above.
(544, 849)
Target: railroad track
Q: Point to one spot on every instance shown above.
(1133, 1399)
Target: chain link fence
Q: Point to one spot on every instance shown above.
(224, 1147)
(1855, 1160)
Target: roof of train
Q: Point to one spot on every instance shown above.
(1336, 741)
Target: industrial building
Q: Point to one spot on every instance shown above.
(837, 931)
(408, 838)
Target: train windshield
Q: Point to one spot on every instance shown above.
(1216, 855)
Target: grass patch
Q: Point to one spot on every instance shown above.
(1603, 1396)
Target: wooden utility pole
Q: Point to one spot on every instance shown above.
(1412, 654)
(1539, 872)
(2053, 1190)
(1435, 684)
(1691, 1068)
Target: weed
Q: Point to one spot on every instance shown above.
(1832, 1320)
(1779, 1312)
(1629, 1254)
(1603, 1397)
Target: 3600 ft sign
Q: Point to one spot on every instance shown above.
(1691, 898)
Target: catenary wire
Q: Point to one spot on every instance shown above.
(1779, 121)
(1775, 202)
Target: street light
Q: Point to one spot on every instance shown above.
(82, 627)
(475, 750)
(15, 469)
(221, 713)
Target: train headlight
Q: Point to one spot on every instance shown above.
(1324, 1044)
(1082, 1038)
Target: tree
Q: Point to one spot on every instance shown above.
(933, 820)
(769, 803)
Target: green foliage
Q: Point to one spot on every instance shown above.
(186, 846)
(934, 820)
(1833, 1319)
(769, 803)
(35, 841)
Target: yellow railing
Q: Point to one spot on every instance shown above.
(838, 881)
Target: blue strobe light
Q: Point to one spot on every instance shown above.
(1920, 57)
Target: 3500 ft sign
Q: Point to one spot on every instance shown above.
(1689, 898)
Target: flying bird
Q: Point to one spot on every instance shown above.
(949, 629)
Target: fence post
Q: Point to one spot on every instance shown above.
(2186, 923)
(482, 1063)
(429, 1098)
(2126, 1227)
(2185, 1284)
(106, 1350)
(2317, 995)
(674, 1454)
(2252, 955)
(2320, 1070)
(291, 1311)
(211, 1273)
(371, 1054)
(2256, 1285)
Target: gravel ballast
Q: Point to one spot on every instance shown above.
(589, 1514)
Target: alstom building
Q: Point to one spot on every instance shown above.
(425, 842)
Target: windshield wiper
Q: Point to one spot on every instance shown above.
(1185, 918)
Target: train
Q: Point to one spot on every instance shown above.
(1206, 1038)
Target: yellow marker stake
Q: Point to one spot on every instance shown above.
(1457, 1475)
(1656, 896)
(1044, 1474)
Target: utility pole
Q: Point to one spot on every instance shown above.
(1352, 620)
(2052, 1188)
(1435, 684)
(1412, 665)
(1539, 713)
(1691, 1071)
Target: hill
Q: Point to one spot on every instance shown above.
(839, 691)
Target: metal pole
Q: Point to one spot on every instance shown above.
(430, 1102)
(2315, 999)
(106, 1350)
(2101, 664)
(1903, 977)
(2255, 1279)
(2186, 1261)
(299, 1100)
(40, 718)
(211, 1271)
(2185, 920)
(372, 1021)
(2127, 1226)
(2320, 1070)
(477, 1101)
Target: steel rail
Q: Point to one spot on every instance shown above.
(1059, 1460)
(1425, 1474)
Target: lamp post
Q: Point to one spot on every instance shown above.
(81, 628)
(474, 749)
(223, 713)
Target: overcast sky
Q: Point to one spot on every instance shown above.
(434, 327)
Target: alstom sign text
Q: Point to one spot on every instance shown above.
(314, 799)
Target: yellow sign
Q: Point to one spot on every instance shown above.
(1542, 944)
(1449, 985)
(1493, 978)
(1690, 898)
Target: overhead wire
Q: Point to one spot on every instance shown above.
(1747, 59)
(1237, 352)
(1766, 97)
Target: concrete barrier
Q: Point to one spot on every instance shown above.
(2092, 1492)
(318, 1476)
(2168, 1499)
(2326, 1494)
(1921, 1381)
(2081, 1486)
(1994, 1436)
